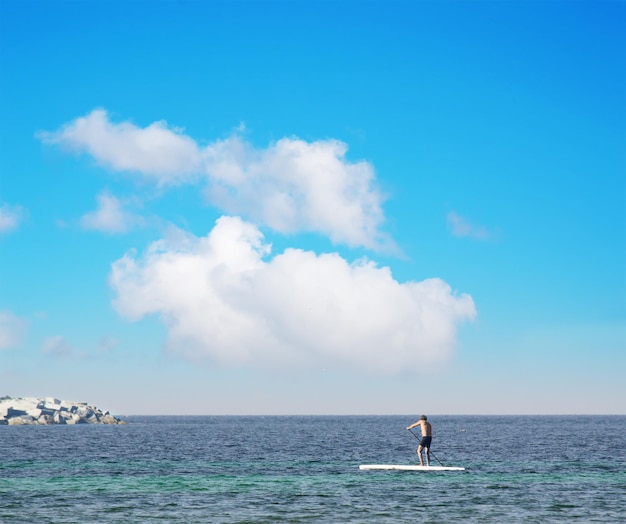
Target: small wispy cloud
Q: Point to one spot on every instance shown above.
(107, 344)
(12, 329)
(11, 217)
(57, 346)
(461, 227)
(157, 152)
(110, 216)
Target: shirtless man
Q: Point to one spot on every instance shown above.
(427, 437)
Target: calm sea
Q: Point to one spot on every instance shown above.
(305, 469)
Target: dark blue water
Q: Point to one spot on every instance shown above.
(305, 469)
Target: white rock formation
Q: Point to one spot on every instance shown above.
(30, 410)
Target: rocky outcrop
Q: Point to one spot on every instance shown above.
(30, 410)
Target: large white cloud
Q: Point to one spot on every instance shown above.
(290, 186)
(222, 297)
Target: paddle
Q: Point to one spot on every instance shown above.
(429, 450)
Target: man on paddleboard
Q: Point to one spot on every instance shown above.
(427, 437)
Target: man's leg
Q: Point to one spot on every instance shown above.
(419, 454)
(428, 456)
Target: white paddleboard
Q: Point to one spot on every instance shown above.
(400, 467)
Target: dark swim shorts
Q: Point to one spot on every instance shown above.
(425, 442)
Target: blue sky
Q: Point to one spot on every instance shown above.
(314, 207)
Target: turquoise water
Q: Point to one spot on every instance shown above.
(305, 469)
